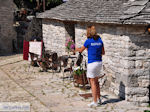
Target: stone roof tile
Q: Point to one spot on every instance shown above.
(136, 12)
(85, 10)
(101, 11)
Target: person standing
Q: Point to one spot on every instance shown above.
(95, 48)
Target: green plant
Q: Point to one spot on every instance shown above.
(79, 72)
(146, 110)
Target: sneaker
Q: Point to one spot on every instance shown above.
(99, 101)
(93, 104)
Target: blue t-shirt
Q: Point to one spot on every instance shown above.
(94, 49)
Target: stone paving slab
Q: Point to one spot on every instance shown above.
(11, 92)
(47, 92)
(10, 59)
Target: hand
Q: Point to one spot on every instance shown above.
(77, 49)
(81, 49)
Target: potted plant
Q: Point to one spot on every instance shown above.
(79, 76)
(70, 45)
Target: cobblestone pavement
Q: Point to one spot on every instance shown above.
(46, 91)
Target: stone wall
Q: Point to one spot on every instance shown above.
(139, 70)
(54, 36)
(127, 59)
(7, 33)
(80, 37)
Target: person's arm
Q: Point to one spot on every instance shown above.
(81, 49)
(103, 51)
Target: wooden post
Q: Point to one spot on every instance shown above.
(38, 5)
(43, 5)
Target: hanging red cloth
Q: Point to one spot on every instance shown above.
(25, 50)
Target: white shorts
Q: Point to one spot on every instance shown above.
(94, 69)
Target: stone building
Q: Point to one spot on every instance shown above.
(122, 26)
(7, 33)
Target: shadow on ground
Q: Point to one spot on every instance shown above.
(11, 54)
(111, 101)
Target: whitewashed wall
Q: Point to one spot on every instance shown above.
(54, 36)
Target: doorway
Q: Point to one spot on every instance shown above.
(69, 32)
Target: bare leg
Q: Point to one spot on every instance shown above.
(97, 88)
(93, 86)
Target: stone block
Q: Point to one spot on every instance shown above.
(144, 82)
(146, 64)
(143, 99)
(136, 91)
(132, 81)
(128, 53)
(144, 104)
(127, 64)
(136, 72)
(121, 79)
(116, 92)
(138, 63)
(140, 53)
(125, 38)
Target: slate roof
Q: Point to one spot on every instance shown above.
(137, 12)
(101, 11)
